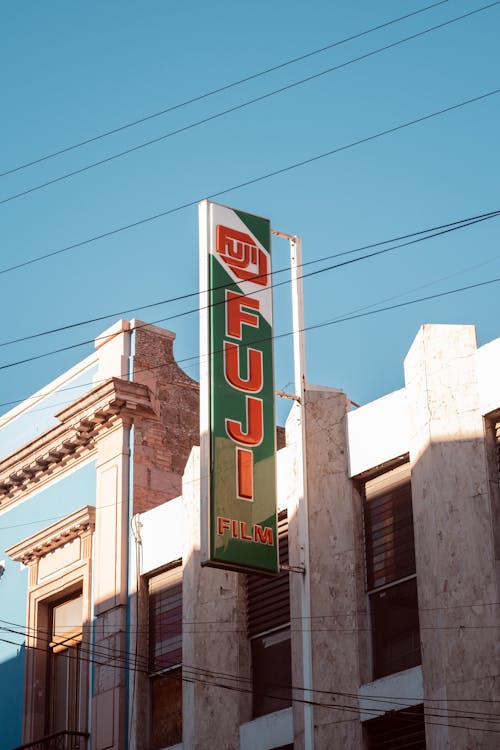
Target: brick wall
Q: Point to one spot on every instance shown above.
(162, 443)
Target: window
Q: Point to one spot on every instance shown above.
(64, 668)
(390, 572)
(165, 657)
(58, 642)
(268, 622)
(397, 730)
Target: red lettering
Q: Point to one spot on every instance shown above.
(232, 369)
(223, 524)
(263, 535)
(237, 315)
(244, 473)
(235, 529)
(241, 254)
(243, 532)
(254, 422)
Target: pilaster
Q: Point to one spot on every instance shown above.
(213, 631)
(337, 609)
(455, 558)
(110, 587)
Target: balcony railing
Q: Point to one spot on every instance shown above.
(66, 740)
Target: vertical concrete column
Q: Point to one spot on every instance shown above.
(458, 598)
(110, 589)
(334, 566)
(212, 637)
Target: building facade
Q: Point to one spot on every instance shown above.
(114, 636)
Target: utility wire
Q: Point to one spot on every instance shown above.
(194, 674)
(289, 333)
(252, 181)
(275, 285)
(219, 90)
(187, 295)
(125, 662)
(241, 106)
(193, 678)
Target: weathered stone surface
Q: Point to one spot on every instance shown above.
(457, 587)
(163, 442)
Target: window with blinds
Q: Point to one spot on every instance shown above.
(397, 730)
(165, 657)
(268, 625)
(165, 620)
(388, 517)
(391, 571)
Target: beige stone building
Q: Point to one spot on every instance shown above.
(152, 651)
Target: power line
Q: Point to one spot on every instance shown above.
(280, 336)
(281, 283)
(314, 326)
(187, 295)
(218, 90)
(192, 677)
(241, 106)
(125, 658)
(208, 677)
(253, 181)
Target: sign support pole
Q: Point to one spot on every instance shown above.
(305, 580)
(303, 514)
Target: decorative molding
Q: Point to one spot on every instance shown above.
(75, 525)
(74, 438)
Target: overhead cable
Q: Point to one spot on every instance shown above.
(241, 106)
(218, 90)
(252, 181)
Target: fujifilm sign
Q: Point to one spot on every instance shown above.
(238, 482)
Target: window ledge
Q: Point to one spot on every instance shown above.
(268, 731)
(391, 693)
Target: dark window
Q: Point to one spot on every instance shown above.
(165, 657)
(268, 619)
(390, 546)
(391, 572)
(397, 731)
(396, 636)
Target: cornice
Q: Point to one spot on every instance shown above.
(61, 532)
(82, 423)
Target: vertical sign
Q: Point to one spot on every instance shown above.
(238, 433)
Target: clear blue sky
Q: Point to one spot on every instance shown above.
(73, 70)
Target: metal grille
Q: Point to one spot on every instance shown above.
(165, 620)
(268, 597)
(401, 729)
(389, 540)
(58, 741)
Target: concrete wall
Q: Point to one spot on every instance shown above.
(337, 605)
(377, 432)
(457, 587)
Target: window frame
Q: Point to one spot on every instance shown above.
(383, 484)
(155, 677)
(47, 587)
(280, 622)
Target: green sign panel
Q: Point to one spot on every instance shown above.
(242, 527)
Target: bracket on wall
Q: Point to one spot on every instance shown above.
(291, 396)
(293, 568)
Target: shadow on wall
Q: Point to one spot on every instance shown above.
(11, 700)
